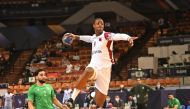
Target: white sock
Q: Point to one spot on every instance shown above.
(75, 93)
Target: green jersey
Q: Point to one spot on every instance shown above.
(173, 102)
(41, 96)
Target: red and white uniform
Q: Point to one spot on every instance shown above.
(102, 57)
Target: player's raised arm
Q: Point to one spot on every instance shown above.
(86, 38)
(69, 37)
(120, 36)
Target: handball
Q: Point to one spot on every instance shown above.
(67, 39)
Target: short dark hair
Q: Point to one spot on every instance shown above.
(98, 18)
(37, 71)
(170, 94)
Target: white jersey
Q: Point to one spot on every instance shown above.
(102, 47)
(67, 95)
(8, 99)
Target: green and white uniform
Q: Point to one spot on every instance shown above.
(173, 102)
(41, 96)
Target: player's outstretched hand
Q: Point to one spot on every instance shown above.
(131, 41)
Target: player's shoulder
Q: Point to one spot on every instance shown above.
(33, 86)
(107, 35)
(48, 85)
(175, 99)
(93, 36)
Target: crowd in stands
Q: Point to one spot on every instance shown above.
(175, 24)
(55, 58)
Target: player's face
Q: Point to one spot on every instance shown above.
(9, 91)
(42, 77)
(170, 97)
(98, 26)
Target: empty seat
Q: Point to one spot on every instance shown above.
(131, 82)
(125, 83)
(112, 84)
(118, 83)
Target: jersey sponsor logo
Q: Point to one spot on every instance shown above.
(100, 39)
(96, 51)
(107, 35)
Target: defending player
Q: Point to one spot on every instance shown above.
(41, 95)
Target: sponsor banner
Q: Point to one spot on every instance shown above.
(174, 71)
(174, 40)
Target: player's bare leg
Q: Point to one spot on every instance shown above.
(100, 98)
(81, 84)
